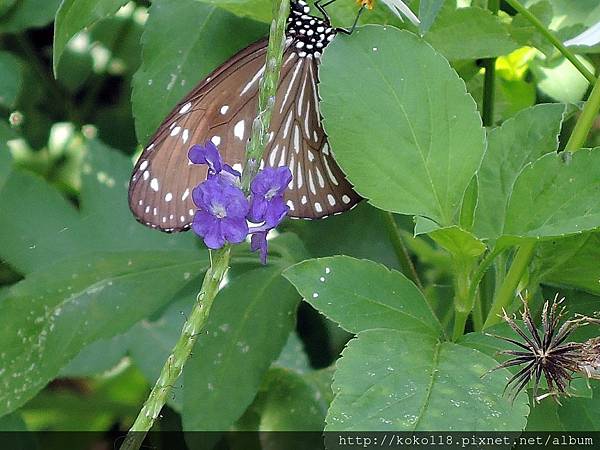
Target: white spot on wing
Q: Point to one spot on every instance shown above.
(253, 80)
(224, 109)
(345, 199)
(168, 197)
(238, 129)
(185, 108)
(154, 184)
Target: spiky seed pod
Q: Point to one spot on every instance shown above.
(546, 354)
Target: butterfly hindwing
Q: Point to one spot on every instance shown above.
(318, 187)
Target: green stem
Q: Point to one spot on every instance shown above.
(266, 96)
(489, 84)
(553, 39)
(506, 294)
(406, 264)
(478, 312)
(181, 352)
(463, 303)
(586, 120)
(220, 262)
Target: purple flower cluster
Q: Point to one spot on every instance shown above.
(224, 212)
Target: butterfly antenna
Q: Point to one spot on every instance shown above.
(321, 8)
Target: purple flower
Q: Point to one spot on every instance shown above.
(221, 215)
(223, 208)
(267, 189)
(258, 241)
(209, 154)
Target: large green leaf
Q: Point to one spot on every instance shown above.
(571, 261)
(254, 9)
(10, 79)
(359, 233)
(519, 141)
(50, 316)
(552, 197)
(28, 14)
(469, 33)
(560, 80)
(61, 231)
(401, 381)
(247, 329)
(360, 295)
(75, 15)
(425, 138)
(292, 402)
(183, 41)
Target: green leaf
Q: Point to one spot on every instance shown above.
(104, 401)
(174, 61)
(87, 363)
(571, 262)
(28, 14)
(359, 233)
(401, 381)
(76, 15)
(458, 242)
(428, 12)
(552, 197)
(523, 31)
(63, 232)
(519, 141)
(11, 79)
(560, 80)
(292, 402)
(293, 355)
(567, 12)
(56, 313)
(582, 414)
(28, 198)
(470, 33)
(260, 10)
(378, 298)
(419, 155)
(247, 329)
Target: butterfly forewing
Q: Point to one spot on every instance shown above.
(221, 109)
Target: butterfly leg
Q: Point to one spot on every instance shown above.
(321, 8)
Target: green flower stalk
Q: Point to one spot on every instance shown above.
(175, 363)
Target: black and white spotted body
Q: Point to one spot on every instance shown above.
(309, 34)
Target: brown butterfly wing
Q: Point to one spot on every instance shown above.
(222, 109)
(318, 188)
(163, 177)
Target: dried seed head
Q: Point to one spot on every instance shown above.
(547, 353)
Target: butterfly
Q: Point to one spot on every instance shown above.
(222, 107)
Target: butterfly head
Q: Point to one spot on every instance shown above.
(299, 8)
(308, 35)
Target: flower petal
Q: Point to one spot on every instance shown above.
(208, 227)
(234, 230)
(206, 154)
(276, 211)
(258, 208)
(259, 242)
